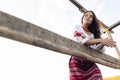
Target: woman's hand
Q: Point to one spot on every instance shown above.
(108, 42)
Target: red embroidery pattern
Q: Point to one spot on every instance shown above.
(79, 34)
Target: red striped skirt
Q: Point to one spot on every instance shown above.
(81, 69)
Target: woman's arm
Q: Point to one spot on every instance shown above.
(105, 42)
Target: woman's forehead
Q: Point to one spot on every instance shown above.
(90, 13)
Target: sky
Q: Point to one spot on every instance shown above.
(20, 61)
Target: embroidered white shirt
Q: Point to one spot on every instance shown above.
(82, 37)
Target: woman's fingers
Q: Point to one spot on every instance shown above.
(109, 42)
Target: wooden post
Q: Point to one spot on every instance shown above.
(107, 31)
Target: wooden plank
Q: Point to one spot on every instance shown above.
(23, 31)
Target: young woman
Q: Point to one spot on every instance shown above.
(89, 35)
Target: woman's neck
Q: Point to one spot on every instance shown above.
(85, 27)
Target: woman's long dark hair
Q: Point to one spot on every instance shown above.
(93, 27)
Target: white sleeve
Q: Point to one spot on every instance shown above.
(79, 35)
(98, 47)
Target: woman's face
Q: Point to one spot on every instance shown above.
(88, 18)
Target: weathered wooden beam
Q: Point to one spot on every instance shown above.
(113, 26)
(20, 30)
